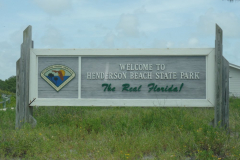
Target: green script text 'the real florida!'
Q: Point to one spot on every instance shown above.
(152, 87)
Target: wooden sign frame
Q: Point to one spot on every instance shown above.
(217, 80)
(36, 53)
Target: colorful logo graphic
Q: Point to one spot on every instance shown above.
(57, 76)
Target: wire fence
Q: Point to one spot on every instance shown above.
(5, 98)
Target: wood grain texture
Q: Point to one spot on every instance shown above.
(125, 52)
(123, 102)
(222, 121)
(218, 75)
(192, 89)
(225, 85)
(23, 110)
(19, 116)
(33, 77)
(211, 78)
(221, 118)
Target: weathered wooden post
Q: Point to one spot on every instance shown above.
(4, 103)
(24, 112)
(225, 96)
(9, 98)
(222, 84)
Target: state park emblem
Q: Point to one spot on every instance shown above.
(57, 76)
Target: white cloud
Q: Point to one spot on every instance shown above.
(228, 21)
(54, 7)
(100, 26)
(126, 34)
(128, 25)
(193, 42)
(175, 6)
(52, 38)
(140, 10)
(109, 40)
(162, 44)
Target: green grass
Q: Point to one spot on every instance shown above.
(120, 133)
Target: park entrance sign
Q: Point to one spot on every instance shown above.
(122, 77)
(118, 77)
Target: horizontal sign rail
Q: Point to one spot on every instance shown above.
(122, 52)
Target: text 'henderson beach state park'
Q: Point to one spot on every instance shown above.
(142, 75)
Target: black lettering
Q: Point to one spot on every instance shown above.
(162, 89)
(130, 89)
(152, 86)
(139, 88)
(181, 87)
(105, 84)
(113, 89)
(125, 87)
(175, 89)
(166, 88)
(135, 89)
(108, 87)
(170, 89)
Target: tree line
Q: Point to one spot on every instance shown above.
(9, 84)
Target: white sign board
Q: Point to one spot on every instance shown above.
(122, 77)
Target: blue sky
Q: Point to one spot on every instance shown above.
(117, 24)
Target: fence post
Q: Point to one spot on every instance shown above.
(9, 98)
(221, 108)
(4, 102)
(24, 112)
(225, 85)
